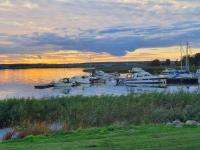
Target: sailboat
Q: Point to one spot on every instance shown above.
(183, 75)
(198, 73)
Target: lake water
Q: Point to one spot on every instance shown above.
(20, 83)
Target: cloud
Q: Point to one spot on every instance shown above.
(6, 4)
(5, 42)
(110, 26)
(113, 40)
(30, 5)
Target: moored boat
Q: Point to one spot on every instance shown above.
(198, 73)
(103, 75)
(138, 76)
(81, 79)
(182, 76)
(44, 86)
(169, 73)
(65, 82)
(95, 80)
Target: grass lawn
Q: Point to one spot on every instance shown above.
(146, 137)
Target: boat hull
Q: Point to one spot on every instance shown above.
(191, 81)
(44, 86)
(97, 80)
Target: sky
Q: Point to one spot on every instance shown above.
(75, 31)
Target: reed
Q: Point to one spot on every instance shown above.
(8, 135)
(96, 111)
(40, 128)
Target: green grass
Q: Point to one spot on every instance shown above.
(147, 137)
(99, 111)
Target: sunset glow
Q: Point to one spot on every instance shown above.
(72, 56)
(68, 31)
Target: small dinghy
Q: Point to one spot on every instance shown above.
(44, 86)
(65, 82)
(81, 79)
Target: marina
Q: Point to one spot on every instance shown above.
(21, 83)
(135, 77)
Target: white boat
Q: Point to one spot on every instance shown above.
(81, 79)
(103, 75)
(198, 73)
(169, 73)
(177, 74)
(66, 82)
(138, 76)
(185, 74)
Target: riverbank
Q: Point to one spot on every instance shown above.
(151, 137)
(98, 111)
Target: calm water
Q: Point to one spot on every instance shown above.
(20, 83)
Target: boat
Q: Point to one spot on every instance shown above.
(182, 76)
(183, 73)
(198, 73)
(138, 76)
(172, 73)
(65, 82)
(169, 73)
(96, 80)
(44, 86)
(103, 75)
(81, 79)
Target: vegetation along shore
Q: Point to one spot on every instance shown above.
(99, 111)
(136, 121)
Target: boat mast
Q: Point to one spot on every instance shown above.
(187, 56)
(90, 58)
(181, 50)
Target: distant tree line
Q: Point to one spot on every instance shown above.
(157, 63)
(194, 60)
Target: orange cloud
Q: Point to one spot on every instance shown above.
(73, 56)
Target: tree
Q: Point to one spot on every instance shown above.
(177, 63)
(155, 62)
(196, 59)
(167, 62)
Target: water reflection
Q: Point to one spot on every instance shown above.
(19, 83)
(168, 89)
(106, 89)
(35, 76)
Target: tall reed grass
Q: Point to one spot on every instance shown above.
(92, 111)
